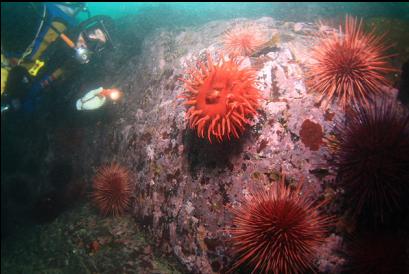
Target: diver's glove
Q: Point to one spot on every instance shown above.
(4, 108)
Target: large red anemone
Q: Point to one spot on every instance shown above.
(221, 97)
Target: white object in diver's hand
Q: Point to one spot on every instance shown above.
(96, 98)
(92, 100)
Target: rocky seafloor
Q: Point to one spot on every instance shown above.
(185, 186)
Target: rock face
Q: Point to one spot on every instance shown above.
(185, 185)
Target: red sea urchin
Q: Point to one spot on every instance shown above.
(372, 157)
(349, 65)
(221, 97)
(112, 189)
(243, 40)
(278, 231)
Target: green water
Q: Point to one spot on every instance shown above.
(290, 11)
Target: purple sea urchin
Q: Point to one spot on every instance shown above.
(372, 157)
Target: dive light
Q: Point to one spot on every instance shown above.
(82, 55)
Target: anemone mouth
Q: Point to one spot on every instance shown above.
(213, 96)
(221, 97)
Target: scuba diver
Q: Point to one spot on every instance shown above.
(43, 42)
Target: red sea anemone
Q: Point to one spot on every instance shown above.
(221, 97)
(372, 157)
(349, 65)
(244, 40)
(112, 189)
(278, 231)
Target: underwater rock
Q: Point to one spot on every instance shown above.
(298, 27)
(327, 262)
